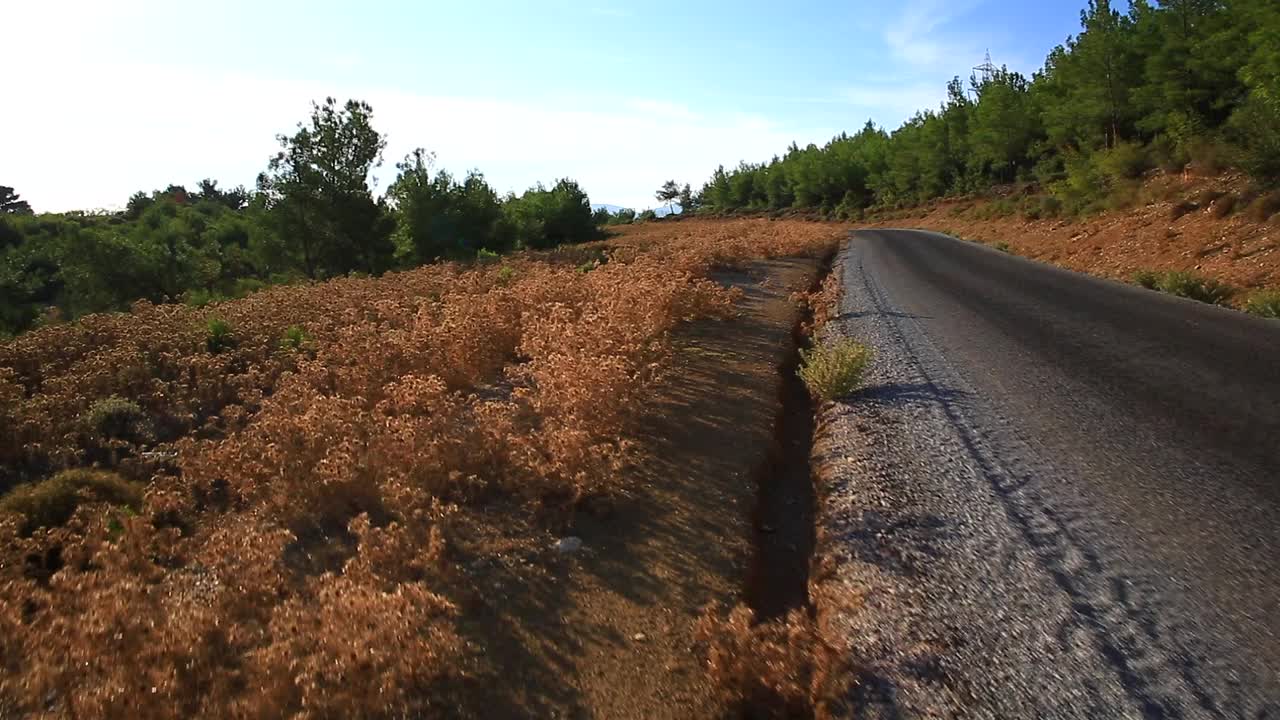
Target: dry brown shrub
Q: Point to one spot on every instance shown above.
(291, 557)
(1182, 208)
(1223, 206)
(781, 665)
(823, 302)
(1265, 206)
(393, 645)
(1208, 196)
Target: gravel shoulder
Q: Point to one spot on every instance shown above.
(1028, 540)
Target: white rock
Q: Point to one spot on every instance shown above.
(569, 544)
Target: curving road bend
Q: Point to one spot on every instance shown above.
(1059, 494)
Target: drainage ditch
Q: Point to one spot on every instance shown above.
(784, 516)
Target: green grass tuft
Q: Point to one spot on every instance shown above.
(834, 370)
(1149, 279)
(218, 335)
(1265, 303)
(1185, 284)
(295, 339)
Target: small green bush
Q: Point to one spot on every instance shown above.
(1123, 195)
(1185, 284)
(486, 255)
(246, 286)
(116, 418)
(200, 298)
(1208, 156)
(218, 335)
(1167, 154)
(1083, 184)
(1148, 279)
(1050, 206)
(1189, 285)
(1265, 303)
(506, 273)
(1030, 209)
(295, 339)
(52, 502)
(1127, 161)
(834, 370)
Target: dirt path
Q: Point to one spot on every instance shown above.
(607, 631)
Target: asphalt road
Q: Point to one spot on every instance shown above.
(1062, 492)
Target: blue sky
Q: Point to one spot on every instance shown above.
(110, 98)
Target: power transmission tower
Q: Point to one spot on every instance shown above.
(983, 74)
(987, 69)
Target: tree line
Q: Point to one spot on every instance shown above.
(312, 215)
(1170, 84)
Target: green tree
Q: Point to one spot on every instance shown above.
(668, 194)
(542, 218)
(1261, 70)
(1083, 93)
(1003, 124)
(439, 217)
(1193, 52)
(208, 191)
(11, 204)
(688, 200)
(318, 193)
(1254, 126)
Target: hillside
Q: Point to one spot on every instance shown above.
(1214, 227)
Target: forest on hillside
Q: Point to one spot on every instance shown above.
(312, 215)
(1178, 84)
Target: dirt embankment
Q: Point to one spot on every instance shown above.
(1176, 225)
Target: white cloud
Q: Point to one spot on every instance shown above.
(89, 136)
(895, 101)
(919, 37)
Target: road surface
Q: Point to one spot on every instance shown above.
(1060, 493)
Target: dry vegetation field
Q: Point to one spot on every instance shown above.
(290, 487)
